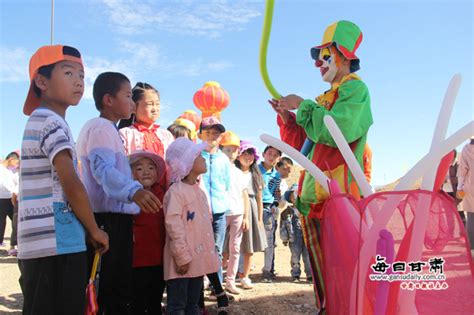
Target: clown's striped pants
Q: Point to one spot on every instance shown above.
(312, 236)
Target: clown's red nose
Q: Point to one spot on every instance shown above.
(319, 63)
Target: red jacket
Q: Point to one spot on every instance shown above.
(149, 235)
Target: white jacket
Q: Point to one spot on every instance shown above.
(8, 183)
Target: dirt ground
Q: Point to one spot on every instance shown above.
(280, 297)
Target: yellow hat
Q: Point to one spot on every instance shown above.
(230, 138)
(187, 124)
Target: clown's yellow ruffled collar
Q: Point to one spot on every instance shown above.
(327, 98)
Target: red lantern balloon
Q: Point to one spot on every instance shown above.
(211, 99)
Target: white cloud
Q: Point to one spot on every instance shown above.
(93, 67)
(219, 65)
(156, 60)
(202, 18)
(133, 66)
(14, 64)
(196, 67)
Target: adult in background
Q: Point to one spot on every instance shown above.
(466, 187)
(450, 185)
(8, 192)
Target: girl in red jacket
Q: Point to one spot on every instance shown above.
(148, 238)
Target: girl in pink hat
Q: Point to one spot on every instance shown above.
(190, 252)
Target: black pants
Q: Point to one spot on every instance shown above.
(54, 285)
(183, 296)
(14, 236)
(216, 287)
(115, 284)
(148, 287)
(6, 209)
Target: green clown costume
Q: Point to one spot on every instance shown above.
(348, 102)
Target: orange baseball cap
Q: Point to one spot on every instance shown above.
(45, 56)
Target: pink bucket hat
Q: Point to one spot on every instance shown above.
(180, 157)
(246, 145)
(155, 158)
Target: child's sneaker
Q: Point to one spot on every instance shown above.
(222, 303)
(238, 277)
(267, 277)
(231, 288)
(13, 252)
(223, 310)
(246, 284)
(214, 297)
(296, 279)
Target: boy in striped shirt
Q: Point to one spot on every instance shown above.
(54, 211)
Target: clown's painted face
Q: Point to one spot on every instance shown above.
(327, 64)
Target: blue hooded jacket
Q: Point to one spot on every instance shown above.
(217, 180)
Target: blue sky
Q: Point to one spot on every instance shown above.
(409, 53)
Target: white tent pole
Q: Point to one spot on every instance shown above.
(52, 21)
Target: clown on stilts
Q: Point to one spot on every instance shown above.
(348, 102)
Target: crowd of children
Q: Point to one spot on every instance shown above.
(164, 212)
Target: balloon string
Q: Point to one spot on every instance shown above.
(267, 25)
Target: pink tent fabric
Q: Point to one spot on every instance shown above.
(343, 237)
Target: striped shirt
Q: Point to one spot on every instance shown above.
(47, 225)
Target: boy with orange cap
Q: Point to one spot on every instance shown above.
(348, 102)
(54, 212)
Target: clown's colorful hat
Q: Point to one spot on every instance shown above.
(347, 36)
